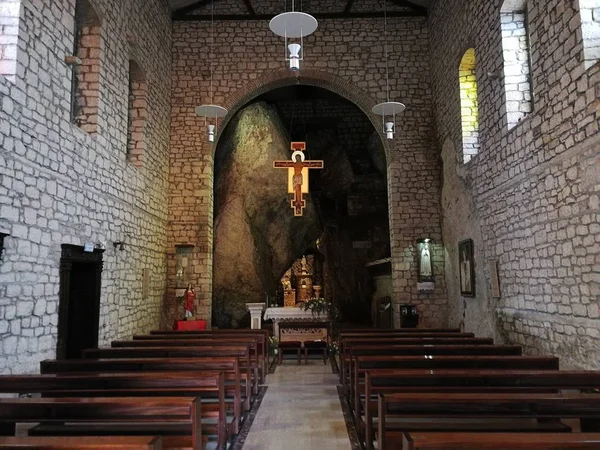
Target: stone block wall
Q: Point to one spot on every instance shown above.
(590, 30)
(345, 57)
(60, 184)
(530, 197)
(10, 11)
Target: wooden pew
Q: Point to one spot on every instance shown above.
(176, 419)
(400, 330)
(361, 364)
(83, 443)
(242, 352)
(234, 331)
(262, 340)
(255, 357)
(406, 350)
(228, 365)
(388, 381)
(499, 441)
(207, 385)
(427, 408)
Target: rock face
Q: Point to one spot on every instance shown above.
(256, 236)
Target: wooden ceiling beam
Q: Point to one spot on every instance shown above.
(324, 16)
(348, 6)
(190, 8)
(249, 7)
(412, 5)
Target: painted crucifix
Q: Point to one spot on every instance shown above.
(298, 175)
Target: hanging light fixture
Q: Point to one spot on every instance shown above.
(211, 110)
(294, 25)
(388, 110)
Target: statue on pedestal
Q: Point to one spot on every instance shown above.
(188, 302)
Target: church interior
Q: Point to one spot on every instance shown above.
(300, 224)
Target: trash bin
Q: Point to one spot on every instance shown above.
(409, 317)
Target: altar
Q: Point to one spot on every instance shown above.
(294, 314)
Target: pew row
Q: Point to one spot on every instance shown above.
(388, 381)
(229, 366)
(83, 443)
(397, 412)
(209, 386)
(499, 441)
(176, 419)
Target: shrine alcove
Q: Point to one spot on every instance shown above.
(344, 226)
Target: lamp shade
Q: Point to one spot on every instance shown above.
(294, 50)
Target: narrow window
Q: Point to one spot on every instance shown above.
(86, 72)
(517, 62)
(10, 14)
(590, 30)
(468, 105)
(136, 114)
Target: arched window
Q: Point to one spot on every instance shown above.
(517, 67)
(590, 30)
(10, 14)
(469, 109)
(137, 112)
(86, 72)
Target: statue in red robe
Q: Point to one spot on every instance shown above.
(188, 301)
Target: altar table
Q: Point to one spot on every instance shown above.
(292, 314)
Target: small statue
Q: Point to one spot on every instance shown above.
(188, 302)
(304, 266)
(287, 285)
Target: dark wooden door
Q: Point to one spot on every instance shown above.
(79, 311)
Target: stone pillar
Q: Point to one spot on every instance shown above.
(256, 310)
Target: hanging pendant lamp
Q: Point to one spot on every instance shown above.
(211, 110)
(388, 109)
(294, 25)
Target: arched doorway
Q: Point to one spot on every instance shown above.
(257, 241)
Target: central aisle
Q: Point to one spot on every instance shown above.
(300, 410)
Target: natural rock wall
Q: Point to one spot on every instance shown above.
(256, 236)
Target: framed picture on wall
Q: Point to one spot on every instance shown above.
(466, 265)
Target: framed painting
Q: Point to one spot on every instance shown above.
(466, 266)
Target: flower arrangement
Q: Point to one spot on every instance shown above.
(273, 346)
(319, 306)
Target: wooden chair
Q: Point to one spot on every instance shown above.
(320, 346)
(289, 346)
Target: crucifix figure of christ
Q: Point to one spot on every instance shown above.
(298, 175)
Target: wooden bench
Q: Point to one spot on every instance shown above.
(400, 330)
(207, 385)
(361, 364)
(83, 443)
(388, 381)
(399, 413)
(407, 350)
(228, 365)
(176, 419)
(242, 352)
(499, 441)
(303, 343)
(261, 337)
(255, 358)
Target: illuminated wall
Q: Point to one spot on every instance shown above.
(468, 104)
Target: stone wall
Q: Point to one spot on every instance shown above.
(344, 57)
(59, 184)
(530, 196)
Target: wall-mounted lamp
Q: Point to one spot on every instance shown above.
(119, 244)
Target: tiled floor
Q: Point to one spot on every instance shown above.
(301, 410)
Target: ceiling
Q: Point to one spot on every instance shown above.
(199, 10)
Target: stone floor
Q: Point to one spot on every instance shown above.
(300, 410)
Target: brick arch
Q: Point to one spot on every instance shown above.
(308, 77)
